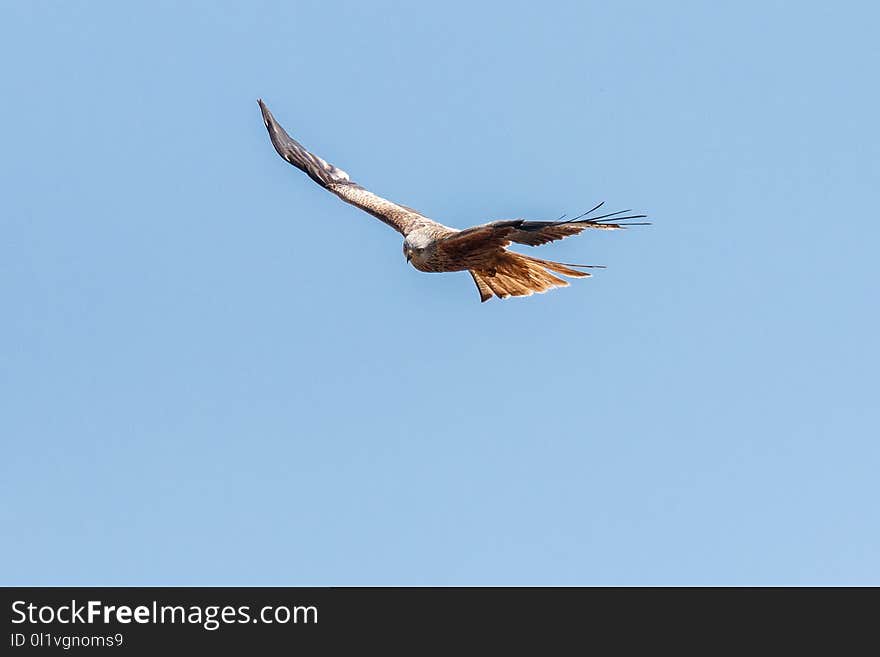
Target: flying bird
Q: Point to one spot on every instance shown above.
(480, 250)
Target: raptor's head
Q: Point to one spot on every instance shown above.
(415, 244)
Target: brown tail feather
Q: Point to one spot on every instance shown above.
(519, 275)
(485, 291)
(561, 267)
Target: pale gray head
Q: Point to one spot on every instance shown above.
(416, 243)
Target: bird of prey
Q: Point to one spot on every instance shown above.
(432, 247)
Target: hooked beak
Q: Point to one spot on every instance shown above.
(408, 257)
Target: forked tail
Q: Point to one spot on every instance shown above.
(518, 275)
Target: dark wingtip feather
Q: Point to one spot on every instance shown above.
(580, 216)
(605, 219)
(615, 220)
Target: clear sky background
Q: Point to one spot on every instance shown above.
(213, 372)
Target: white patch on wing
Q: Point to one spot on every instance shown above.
(335, 171)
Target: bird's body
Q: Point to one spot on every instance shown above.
(421, 247)
(432, 247)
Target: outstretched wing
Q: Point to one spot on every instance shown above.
(399, 217)
(536, 233)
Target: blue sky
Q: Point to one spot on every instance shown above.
(213, 372)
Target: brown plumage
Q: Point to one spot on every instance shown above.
(433, 247)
